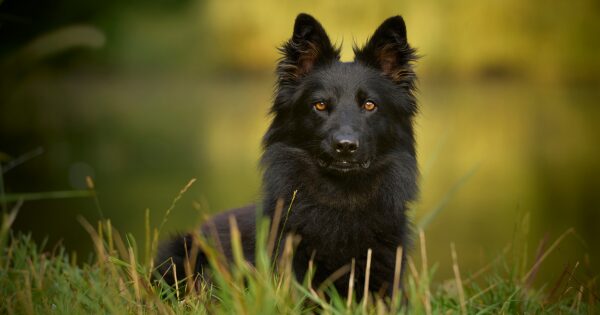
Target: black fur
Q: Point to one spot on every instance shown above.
(355, 170)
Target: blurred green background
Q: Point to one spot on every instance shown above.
(144, 95)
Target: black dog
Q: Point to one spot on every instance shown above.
(342, 136)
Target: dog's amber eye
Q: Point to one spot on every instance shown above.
(320, 106)
(369, 106)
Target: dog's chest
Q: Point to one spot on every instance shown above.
(341, 233)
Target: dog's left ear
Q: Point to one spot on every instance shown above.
(388, 50)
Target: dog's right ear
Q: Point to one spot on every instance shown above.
(308, 48)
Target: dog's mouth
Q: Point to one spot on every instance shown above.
(343, 165)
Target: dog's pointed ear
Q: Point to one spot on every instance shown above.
(308, 48)
(388, 50)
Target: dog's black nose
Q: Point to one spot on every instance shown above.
(345, 144)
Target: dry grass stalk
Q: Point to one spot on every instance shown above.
(274, 227)
(367, 279)
(459, 285)
(396, 284)
(351, 283)
(424, 270)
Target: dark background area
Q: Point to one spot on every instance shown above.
(143, 96)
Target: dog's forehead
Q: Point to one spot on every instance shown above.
(346, 76)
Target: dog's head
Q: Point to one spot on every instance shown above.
(347, 116)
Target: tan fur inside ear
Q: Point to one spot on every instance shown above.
(388, 62)
(307, 59)
(387, 59)
(289, 70)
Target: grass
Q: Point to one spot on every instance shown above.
(120, 278)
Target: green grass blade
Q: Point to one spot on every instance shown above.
(32, 196)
